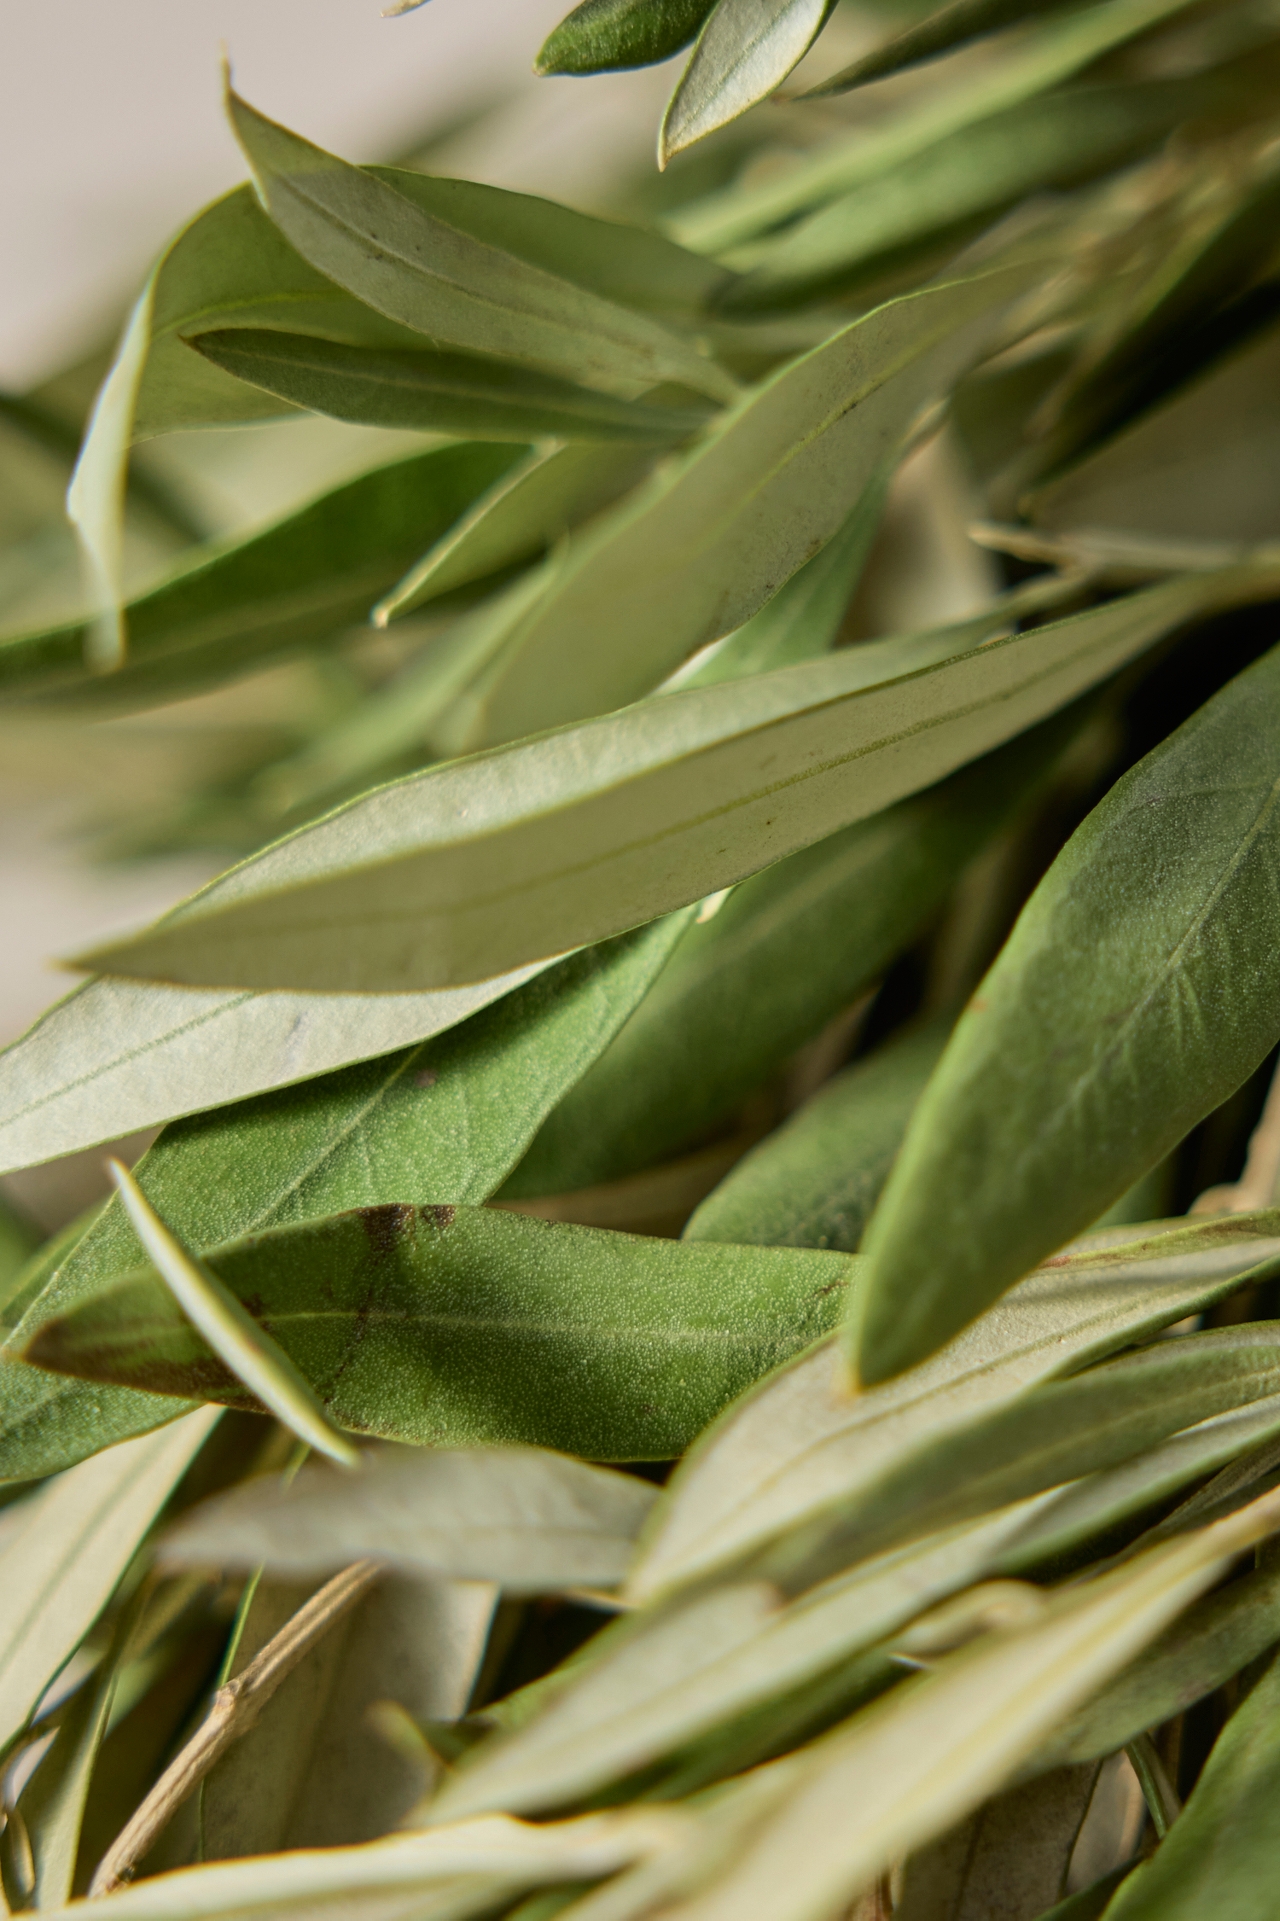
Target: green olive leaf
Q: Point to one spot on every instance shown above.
(445, 393)
(446, 1326)
(75, 1539)
(602, 35)
(1137, 991)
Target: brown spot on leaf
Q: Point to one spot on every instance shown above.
(425, 1077)
(440, 1214)
(386, 1226)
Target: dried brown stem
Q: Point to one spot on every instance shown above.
(236, 1706)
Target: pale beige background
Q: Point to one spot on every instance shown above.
(111, 135)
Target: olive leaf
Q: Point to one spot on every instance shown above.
(448, 1326)
(759, 494)
(436, 279)
(745, 50)
(435, 392)
(1050, 52)
(894, 1777)
(524, 1518)
(951, 26)
(788, 951)
(604, 34)
(627, 816)
(430, 1118)
(115, 1057)
(1119, 964)
(74, 1541)
(528, 508)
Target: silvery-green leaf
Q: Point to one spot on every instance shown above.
(814, 1181)
(1137, 991)
(1050, 51)
(735, 517)
(745, 50)
(75, 1540)
(467, 1326)
(433, 277)
(625, 817)
(116, 1056)
(802, 1437)
(444, 1874)
(447, 393)
(601, 35)
(1094, 1504)
(527, 1519)
(1057, 1433)
(914, 1764)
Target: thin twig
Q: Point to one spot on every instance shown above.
(236, 1706)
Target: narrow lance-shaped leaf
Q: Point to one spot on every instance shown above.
(1214, 1640)
(75, 1540)
(528, 1519)
(233, 1334)
(428, 275)
(1138, 989)
(745, 50)
(115, 1057)
(602, 35)
(1055, 1434)
(444, 393)
(273, 591)
(565, 838)
(437, 1119)
(450, 1326)
(738, 515)
(803, 1439)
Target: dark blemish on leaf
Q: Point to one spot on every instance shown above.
(385, 1226)
(831, 1287)
(425, 1077)
(255, 1305)
(440, 1215)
